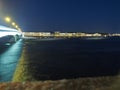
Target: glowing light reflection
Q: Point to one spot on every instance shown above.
(9, 60)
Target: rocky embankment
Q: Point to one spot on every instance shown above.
(99, 83)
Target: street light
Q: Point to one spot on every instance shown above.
(7, 19)
(16, 26)
(13, 23)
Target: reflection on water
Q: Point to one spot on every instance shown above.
(59, 59)
(22, 71)
(69, 58)
(9, 56)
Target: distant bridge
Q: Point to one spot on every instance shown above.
(9, 34)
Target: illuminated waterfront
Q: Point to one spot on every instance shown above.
(43, 59)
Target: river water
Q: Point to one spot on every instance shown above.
(46, 59)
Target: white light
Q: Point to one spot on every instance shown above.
(2, 34)
(6, 28)
(5, 31)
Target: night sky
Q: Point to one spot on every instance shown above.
(63, 15)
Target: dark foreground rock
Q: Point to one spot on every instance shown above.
(98, 83)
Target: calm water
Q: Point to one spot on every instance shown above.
(60, 58)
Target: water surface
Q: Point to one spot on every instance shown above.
(67, 58)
